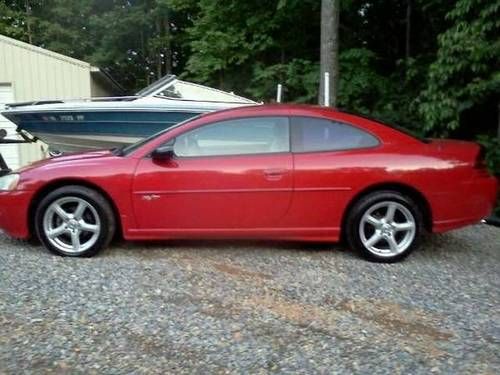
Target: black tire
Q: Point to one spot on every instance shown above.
(352, 223)
(100, 206)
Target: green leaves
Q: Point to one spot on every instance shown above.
(465, 72)
(492, 146)
(226, 35)
(448, 85)
(299, 77)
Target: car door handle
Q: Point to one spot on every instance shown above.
(274, 173)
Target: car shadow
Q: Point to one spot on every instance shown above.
(432, 248)
(165, 247)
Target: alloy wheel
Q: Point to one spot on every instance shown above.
(71, 224)
(387, 228)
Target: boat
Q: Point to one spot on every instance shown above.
(100, 123)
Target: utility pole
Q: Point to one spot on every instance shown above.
(329, 49)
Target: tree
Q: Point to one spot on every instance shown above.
(16, 18)
(249, 46)
(329, 57)
(224, 36)
(62, 26)
(465, 73)
(139, 41)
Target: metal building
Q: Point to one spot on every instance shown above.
(30, 73)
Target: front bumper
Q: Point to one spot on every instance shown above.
(14, 207)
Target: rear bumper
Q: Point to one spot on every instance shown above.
(14, 206)
(469, 204)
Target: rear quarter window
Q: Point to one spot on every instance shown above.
(315, 134)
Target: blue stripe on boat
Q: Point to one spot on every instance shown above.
(138, 124)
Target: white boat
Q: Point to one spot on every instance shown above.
(88, 124)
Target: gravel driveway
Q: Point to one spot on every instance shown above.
(246, 307)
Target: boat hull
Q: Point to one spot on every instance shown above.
(67, 131)
(81, 142)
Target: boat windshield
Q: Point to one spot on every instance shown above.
(153, 88)
(128, 149)
(169, 87)
(192, 91)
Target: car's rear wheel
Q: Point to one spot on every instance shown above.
(384, 226)
(74, 221)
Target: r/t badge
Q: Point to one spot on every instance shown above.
(150, 197)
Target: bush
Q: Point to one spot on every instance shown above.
(492, 146)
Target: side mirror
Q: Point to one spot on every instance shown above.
(164, 152)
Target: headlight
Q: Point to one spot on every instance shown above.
(9, 182)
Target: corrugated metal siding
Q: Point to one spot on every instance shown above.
(38, 74)
(10, 152)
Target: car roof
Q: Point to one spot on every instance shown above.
(270, 109)
(304, 110)
(308, 110)
(384, 133)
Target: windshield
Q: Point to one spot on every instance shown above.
(170, 87)
(192, 91)
(126, 150)
(155, 86)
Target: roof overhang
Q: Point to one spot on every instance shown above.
(106, 80)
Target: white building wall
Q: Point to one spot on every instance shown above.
(33, 73)
(10, 153)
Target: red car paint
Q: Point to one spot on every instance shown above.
(300, 196)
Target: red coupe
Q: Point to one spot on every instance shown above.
(276, 172)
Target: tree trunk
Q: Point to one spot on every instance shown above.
(221, 79)
(144, 56)
(329, 58)
(28, 21)
(159, 61)
(408, 30)
(159, 64)
(498, 129)
(168, 46)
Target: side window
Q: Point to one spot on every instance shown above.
(256, 135)
(313, 134)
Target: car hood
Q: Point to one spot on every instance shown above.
(67, 158)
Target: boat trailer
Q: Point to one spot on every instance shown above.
(4, 168)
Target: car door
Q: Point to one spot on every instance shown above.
(328, 163)
(228, 175)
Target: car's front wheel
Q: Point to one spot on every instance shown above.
(384, 226)
(74, 221)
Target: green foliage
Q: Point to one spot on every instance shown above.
(365, 90)
(123, 43)
(70, 32)
(466, 70)
(443, 80)
(13, 19)
(492, 146)
(299, 77)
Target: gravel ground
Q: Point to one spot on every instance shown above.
(246, 307)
